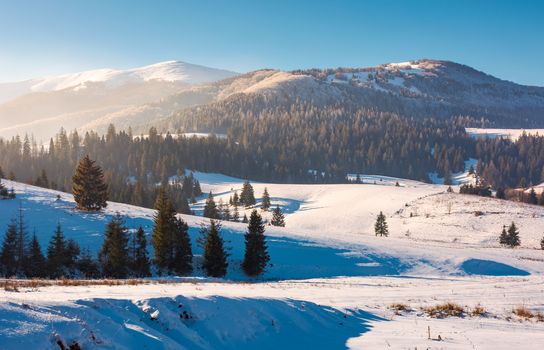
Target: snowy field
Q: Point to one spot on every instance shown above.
(512, 134)
(331, 285)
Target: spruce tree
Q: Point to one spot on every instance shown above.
(22, 243)
(541, 200)
(278, 219)
(163, 229)
(56, 254)
(140, 265)
(210, 209)
(113, 256)
(89, 189)
(235, 214)
(542, 243)
(244, 219)
(197, 191)
(182, 263)
(235, 198)
(500, 193)
(380, 228)
(533, 199)
(256, 255)
(247, 197)
(503, 238)
(265, 203)
(215, 257)
(8, 254)
(36, 265)
(87, 265)
(72, 252)
(513, 236)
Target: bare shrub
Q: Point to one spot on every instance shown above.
(445, 310)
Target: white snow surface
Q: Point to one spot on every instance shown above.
(331, 283)
(512, 134)
(170, 71)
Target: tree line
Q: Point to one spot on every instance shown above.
(124, 254)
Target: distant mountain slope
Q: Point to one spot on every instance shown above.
(176, 95)
(169, 71)
(423, 88)
(43, 105)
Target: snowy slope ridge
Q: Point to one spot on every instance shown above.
(171, 71)
(331, 284)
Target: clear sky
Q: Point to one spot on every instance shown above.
(502, 38)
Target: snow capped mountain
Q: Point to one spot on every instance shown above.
(169, 71)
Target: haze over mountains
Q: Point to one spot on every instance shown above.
(164, 94)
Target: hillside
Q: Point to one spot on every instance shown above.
(41, 105)
(175, 95)
(421, 89)
(328, 271)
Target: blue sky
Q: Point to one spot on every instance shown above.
(503, 38)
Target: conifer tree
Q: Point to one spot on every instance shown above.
(8, 254)
(197, 191)
(265, 204)
(42, 180)
(36, 265)
(87, 265)
(533, 199)
(22, 243)
(182, 263)
(139, 259)
(235, 198)
(184, 207)
(163, 231)
(235, 214)
(380, 228)
(210, 209)
(56, 257)
(114, 256)
(2, 175)
(71, 255)
(247, 197)
(244, 219)
(512, 239)
(215, 257)
(503, 238)
(541, 200)
(89, 189)
(542, 243)
(256, 253)
(278, 219)
(500, 193)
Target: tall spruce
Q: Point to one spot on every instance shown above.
(140, 265)
(256, 256)
(380, 228)
(56, 254)
(215, 257)
(210, 209)
(8, 254)
(182, 263)
(89, 189)
(36, 265)
(265, 202)
(247, 197)
(503, 238)
(163, 228)
(114, 255)
(278, 219)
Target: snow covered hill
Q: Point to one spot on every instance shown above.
(93, 99)
(169, 71)
(329, 275)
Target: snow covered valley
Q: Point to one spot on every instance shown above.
(332, 284)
